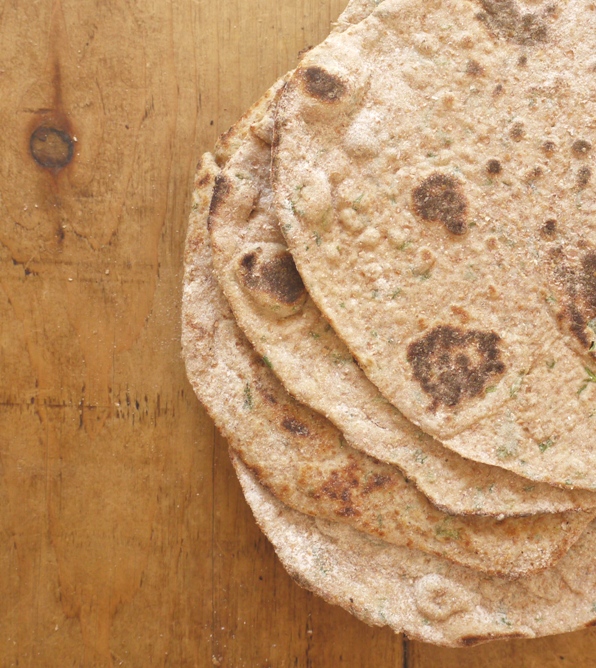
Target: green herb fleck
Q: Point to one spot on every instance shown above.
(356, 202)
(514, 389)
(267, 362)
(529, 488)
(551, 364)
(503, 452)
(248, 405)
(339, 359)
(545, 445)
(342, 305)
(590, 379)
(490, 388)
(314, 335)
(317, 238)
(375, 294)
(551, 299)
(444, 531)
(395, 293)
(419, 456)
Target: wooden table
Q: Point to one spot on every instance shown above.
(124, 539)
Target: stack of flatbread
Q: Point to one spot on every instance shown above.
(390, 312)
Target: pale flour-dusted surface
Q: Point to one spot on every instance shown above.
(284, 325)
(434, 184)
(302, 458)
(426, 597)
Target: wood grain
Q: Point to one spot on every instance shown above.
(124, 539)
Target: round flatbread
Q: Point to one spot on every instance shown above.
(285, 326)
(304, 460)
(423, 596)
(426, 162)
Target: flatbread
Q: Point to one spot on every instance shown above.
(284, 325)
(230, 141)
(422, 157)
(423, 596)
(304, 460)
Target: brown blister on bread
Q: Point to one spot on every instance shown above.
(578, 304)
(583, 176)
(339, 487)
(452, 364)
(474, 68)
(549, 147)
(440, 198)
(549, 230)
(504, 18)
(269, 274)
(322, 85)
(581, 147)
(349, 486)
(222, 188)
(493, 167)
(517, 131)
(203, 181)
(295, 427)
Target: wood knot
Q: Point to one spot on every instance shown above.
(51, 148)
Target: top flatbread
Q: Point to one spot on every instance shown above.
(422, 158)
(269, 302)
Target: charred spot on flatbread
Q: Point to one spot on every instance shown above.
(220, 191)
(581, 147)
(517, 131)
(504, 18)
(584, 174)
(453, 364)
(493, 167)
(376, 481)
(577, 281)
(269, 274)
(474, 68)
(440, 198)
(321, 84)
(338, 487)
(549, 230)
(204, 180)
(295, 427)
